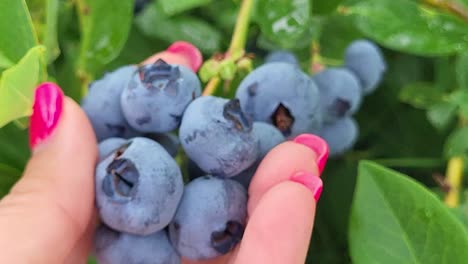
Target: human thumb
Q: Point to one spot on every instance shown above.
(49, 209)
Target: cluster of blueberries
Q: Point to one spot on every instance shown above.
(148, 215)
(340, 91)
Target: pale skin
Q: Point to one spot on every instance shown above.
(49, 215)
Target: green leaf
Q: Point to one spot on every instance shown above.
(50, 38)
(325, 7)
(395, 219)
(138, 48)
(441, 115)
(420, 95)
(4, 61)
(223, 14)
(461, 212)
(461, 69)
(411, 162)
(196, 31)
(283, 22)
(406, 26)
(171, 7)
(8, 177)
(460, 99)
(457, 143)
(18, 35)
(17, 85)
(444, 73)
(105, 26)
(336, 34)
(44, 14)
(65, 72)
(14, 149)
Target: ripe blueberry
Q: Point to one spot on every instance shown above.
(217, 135)
(210, 220)
(365, 59)
(156, 96)
(340, 93)
(102, 105)
(138, 187)
(281, 94)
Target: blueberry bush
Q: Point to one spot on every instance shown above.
(398, 196)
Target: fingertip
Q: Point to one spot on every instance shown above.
(63, 164)
(317, 145)
(52, 204)
(280, 164)
(179, 52)
(279, 229)
(169, 58)
(188, 51)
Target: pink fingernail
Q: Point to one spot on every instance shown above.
(318, 145)
(47, 109)
(189, 51)
(309, 180)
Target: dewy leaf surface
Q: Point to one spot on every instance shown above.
(394, 219)
(408, 26)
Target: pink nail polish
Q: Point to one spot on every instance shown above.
(189, 51)
(318, 145)
(47, 108)
(309, 180)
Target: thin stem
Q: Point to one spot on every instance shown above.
(239, 37)
(454, 179)
(315, 60)
(238, 40)
(211, 86)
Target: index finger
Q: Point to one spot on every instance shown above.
(179, 52)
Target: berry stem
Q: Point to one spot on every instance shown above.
(454, 179)
(238, 40)
(319, 63)
(241, 29)
(315, 61)
(211, 86)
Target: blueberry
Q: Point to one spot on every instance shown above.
(138, 187)
(365, 59)
(156, 96)
(107, 146)
(170, 142)
(217, 135)
(268, 137)
(282, 95)
(340, 135)
(340, 93)
(211, 218)
(113, 247)
(102, 105)
(282, 56)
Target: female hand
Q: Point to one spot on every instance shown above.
(49, 215)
